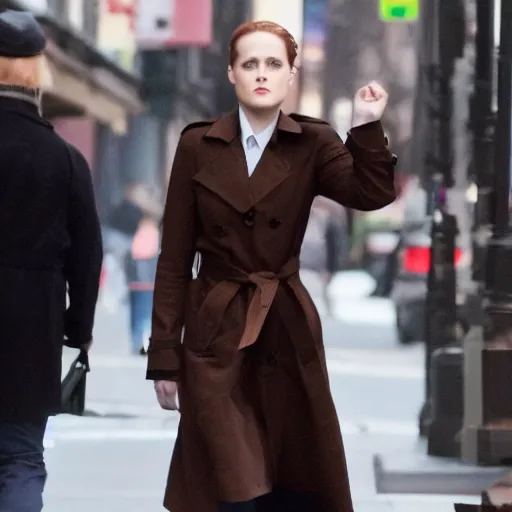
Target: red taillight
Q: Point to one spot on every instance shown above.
(417, 259)
(458, 256)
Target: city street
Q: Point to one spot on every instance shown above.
(390, 119)
(116, 458)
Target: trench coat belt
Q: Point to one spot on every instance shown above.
(233, 278)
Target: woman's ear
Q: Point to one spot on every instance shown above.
(293, 72)
(230, 75)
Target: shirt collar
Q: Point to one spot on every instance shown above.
(263, 138)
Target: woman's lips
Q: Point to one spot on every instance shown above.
(261, 90)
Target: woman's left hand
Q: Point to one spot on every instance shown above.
(369, 104)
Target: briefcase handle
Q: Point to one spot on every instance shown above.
(83, 359)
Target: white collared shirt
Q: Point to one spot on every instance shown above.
(254, 145)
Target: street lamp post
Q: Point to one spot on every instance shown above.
(487, 435)
(482, 123)
(443, 43)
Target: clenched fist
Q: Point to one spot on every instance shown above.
(369, 104)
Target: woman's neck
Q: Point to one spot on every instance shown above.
(260, 119)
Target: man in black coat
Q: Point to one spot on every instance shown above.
(50, 244)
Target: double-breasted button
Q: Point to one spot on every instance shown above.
(249, 218)
(274, 223)
(220, 231)
(394, 159)
(272, 359)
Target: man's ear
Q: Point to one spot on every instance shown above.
(230, 75)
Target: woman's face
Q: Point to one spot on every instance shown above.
(261, 74)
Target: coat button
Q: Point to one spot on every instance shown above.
(394, 160)
(272, 359)
(220, 231)
(249, 218)
(274, 223)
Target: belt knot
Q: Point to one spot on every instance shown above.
(267, 284)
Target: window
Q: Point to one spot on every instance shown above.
(57, 8)
(194, 65)
(36, 5)
(75, 14)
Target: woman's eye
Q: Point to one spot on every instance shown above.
(249, 65)
(275, 64)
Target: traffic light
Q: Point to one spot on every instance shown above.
(399, 10)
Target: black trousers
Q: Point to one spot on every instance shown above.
(22, 469)
(277, 501)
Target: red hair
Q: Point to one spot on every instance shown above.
(263, 26)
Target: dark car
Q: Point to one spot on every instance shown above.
(380, 259)
(410, 284)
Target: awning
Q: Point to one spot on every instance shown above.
(86, 82)
(90, 91)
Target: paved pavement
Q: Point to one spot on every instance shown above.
(116, 457)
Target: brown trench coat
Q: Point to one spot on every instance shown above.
(256, 409)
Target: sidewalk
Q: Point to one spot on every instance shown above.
(116, 458)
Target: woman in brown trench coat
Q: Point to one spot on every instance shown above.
(258, 427)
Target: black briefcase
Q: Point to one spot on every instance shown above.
(73, 386)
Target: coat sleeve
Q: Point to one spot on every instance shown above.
(85, 256)
(174, 268)
(358, 174)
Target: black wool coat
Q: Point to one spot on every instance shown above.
(50, 243)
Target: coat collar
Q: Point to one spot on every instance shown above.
(246, 131)
(227, 175)
(22, 107)
(228, 127)
(17, 92)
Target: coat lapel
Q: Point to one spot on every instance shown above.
(227, 176)
(274, 166)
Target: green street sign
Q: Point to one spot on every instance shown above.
(399, 10)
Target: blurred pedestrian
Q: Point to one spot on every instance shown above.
(140, 200)
(50, 243)
(325, 245)
(140, 269)
(136, 220)
(258, 427)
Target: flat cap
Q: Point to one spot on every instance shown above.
(20, 35)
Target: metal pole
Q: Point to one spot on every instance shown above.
(498, 290)
(428, 71)
(482, 124)
(503, 129)
(490, 440)
(445, 45)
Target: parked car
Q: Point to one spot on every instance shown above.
(378, 236)
(380, 259)
(410, 284)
